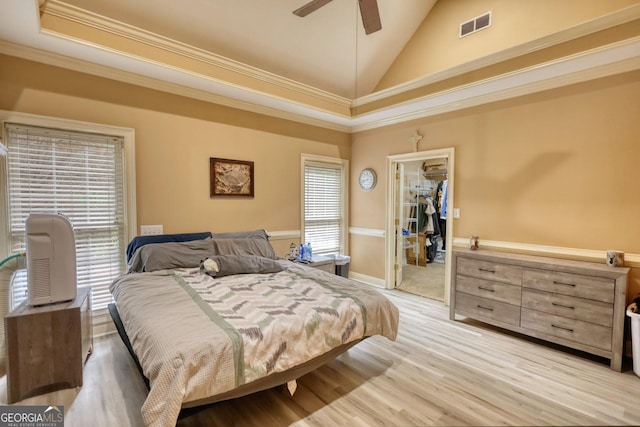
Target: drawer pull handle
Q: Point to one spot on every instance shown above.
(555, 304)
(486, 270)
(485, 289)
(555, 282)
(563, 328)
(485, 308)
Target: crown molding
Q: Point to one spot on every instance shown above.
(120, 29)
(601, 23)
(28, 43)
(601, 62)
(62, 61)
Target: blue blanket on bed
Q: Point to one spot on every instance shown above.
(140, 241)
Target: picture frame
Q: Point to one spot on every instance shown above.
(231, 178)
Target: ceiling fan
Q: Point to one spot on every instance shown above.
(368, 11)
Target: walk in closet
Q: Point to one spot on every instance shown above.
(424, 214)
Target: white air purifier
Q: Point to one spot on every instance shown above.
(51, 259)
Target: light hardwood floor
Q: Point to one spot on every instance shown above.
(438, 372)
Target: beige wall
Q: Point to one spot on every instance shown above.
(175, 137)
(557, 168)
(436, 45)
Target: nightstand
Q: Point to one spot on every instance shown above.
(325, 263)
(47, 346)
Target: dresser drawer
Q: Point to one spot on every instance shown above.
(574, 303)
(511, 294)
(597, 312)
(490, 270)
(569, 329)
(589, 287)
(483, 307)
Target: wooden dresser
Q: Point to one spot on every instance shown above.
(576, 304)
(47, 346)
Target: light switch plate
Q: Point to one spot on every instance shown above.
(456, 213)
(151, 230)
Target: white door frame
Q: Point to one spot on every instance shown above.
(390, 242)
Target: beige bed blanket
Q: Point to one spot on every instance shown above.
(197, 336)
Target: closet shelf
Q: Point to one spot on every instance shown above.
(435, 172)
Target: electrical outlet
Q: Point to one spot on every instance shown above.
(150, 230)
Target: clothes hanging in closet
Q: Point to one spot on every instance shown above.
(427, 208)
(441, 195)
(430, 227)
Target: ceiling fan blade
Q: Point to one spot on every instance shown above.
(312, 6)
(370, 16)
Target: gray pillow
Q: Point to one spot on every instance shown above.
(225, 265)
(160, 256)
(252, 234)
(244, 246)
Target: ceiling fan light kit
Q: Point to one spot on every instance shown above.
(368, 10)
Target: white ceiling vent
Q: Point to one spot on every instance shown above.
(476, 24)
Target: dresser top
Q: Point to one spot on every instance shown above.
(538, 261)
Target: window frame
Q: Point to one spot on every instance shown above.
(129, 171)
(344, 191)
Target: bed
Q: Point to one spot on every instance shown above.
(221, 316)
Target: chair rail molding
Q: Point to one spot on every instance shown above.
(373, 232)
(284, 234)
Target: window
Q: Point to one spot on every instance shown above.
(80, 175)
(324, 209)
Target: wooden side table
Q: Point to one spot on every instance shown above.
(47, 346)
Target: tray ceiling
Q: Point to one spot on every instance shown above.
(259, 56)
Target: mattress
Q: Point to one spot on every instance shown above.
(201, 338)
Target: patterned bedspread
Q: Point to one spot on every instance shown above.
(197, 336)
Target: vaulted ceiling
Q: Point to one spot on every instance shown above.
(321, 69)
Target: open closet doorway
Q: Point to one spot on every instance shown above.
(420, 222)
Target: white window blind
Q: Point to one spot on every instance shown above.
(80, 175)
(323, 207)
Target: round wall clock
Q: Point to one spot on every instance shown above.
(367, 179)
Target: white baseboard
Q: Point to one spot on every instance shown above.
(369, 280)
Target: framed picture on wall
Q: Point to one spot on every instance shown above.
(231, 178)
